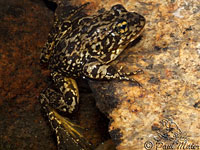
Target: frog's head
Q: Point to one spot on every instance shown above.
(110, 32)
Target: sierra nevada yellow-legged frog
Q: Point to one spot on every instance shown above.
(83, 46)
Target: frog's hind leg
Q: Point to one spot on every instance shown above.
(65, 95)
(64, 99)
(68, 88)
(55, 99)
(68, 134)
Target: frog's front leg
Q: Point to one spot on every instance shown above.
(96, 70)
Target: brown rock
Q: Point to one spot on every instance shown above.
(23, 31)
(166, 108)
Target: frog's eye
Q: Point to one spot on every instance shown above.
(122, 27)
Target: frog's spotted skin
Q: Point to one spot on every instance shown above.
(84, 46)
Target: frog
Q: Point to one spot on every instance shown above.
(83, 46)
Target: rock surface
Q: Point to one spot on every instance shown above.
(166, 108)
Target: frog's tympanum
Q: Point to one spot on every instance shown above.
(83, 46)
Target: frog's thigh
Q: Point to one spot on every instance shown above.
(70, 93)
(65, 101)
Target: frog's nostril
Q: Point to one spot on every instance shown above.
(118, 8)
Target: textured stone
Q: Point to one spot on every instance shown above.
(167, 104)
(168, 52)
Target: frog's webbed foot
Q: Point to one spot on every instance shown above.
(125, 76)
(96, 70)
(68, 134)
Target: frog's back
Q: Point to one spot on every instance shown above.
(65, 18)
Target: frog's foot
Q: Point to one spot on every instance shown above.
(125, 76)
(130, 73)
(69, 135)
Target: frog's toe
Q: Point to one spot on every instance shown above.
(72, 137)
(135, 72)
(125, 76)
(133, 81)
(69, 135)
